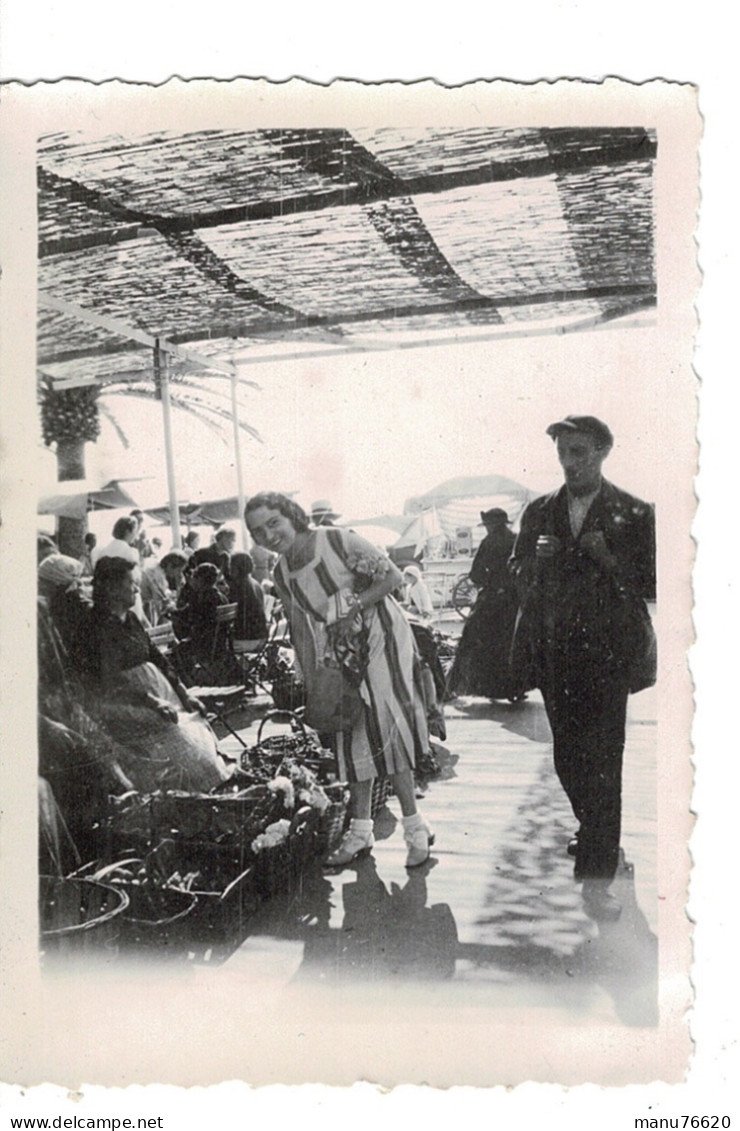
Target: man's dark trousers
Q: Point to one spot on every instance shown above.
(587, 716)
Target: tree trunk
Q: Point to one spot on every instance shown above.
(71, 465)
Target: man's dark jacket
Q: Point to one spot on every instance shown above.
(578, 621)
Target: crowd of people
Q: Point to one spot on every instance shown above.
(560, 607)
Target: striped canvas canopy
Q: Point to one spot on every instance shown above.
(253, 244)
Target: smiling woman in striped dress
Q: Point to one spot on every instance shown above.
(336, 590)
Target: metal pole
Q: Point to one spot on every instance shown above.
(238, 459)
(162, 385)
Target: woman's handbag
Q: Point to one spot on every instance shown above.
(288, 690)
(333, 699)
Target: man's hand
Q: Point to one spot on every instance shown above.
(547, 548)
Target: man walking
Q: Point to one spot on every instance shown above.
(585, 563)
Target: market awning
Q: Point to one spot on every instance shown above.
(245, 244)
(457, 503)
(209, 512)
(75, 497)
(395, 522)
(169, 262)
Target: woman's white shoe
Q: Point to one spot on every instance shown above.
(354, 843)
(418, 841)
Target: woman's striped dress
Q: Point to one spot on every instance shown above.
(392, 733)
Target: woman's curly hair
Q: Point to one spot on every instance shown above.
(275, 501)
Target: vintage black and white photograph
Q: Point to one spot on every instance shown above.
(361, 459)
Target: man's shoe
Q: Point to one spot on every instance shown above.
(599, 903)
(354, 843)
(572, 848)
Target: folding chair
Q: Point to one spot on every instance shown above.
(218, 701)
(163, 635)
(254, 662)
(164, 638)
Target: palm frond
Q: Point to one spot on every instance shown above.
(111, 418)
(199, 387)
(148, 395)
(205, 393)
(187, 369)
(198, 411)
(223, 414)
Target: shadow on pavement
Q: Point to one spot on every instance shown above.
(386, 933)
(526, 718)
(621, 957)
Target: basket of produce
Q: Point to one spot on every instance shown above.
(219, 878)
(215, 818)
(282, 853)
(299, 743)
(158, 916)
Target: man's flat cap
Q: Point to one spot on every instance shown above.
(591, 425)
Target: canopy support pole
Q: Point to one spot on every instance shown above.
(162, 385)
(238, 461)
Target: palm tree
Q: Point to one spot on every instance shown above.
(71, 418)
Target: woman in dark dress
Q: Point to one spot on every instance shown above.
(482, 663)
(133, 692)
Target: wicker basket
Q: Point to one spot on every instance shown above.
(277, 869)
(334, 820)
(301, 744)
(222, 884)
(194, 817)
(79, 913)
(382, 790)
(157, 916)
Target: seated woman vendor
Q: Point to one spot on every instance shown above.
(134, 692)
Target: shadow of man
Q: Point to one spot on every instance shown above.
(623, 958)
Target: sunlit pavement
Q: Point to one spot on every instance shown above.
(494, 919)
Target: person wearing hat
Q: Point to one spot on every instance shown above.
(584, 561)
(60, 586)
(322, 513)
(217, 554)
(481, 665)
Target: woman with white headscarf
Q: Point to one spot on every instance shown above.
(60, 586)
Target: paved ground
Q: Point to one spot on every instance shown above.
(495, 919)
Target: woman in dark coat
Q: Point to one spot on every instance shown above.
(482, 665)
